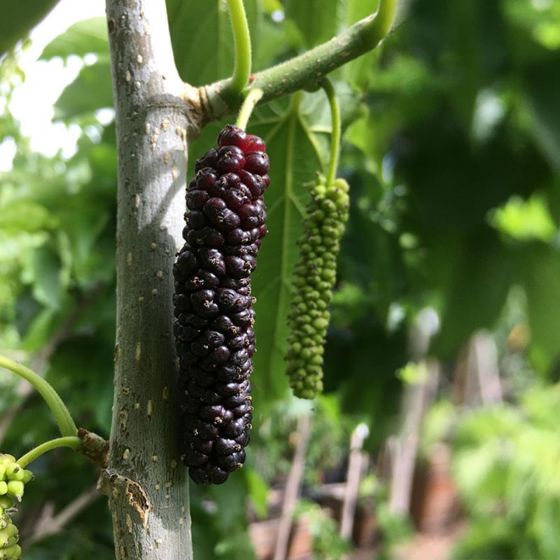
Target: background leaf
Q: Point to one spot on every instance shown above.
(84, 37)
(317, 20)
(19, 18)
(202, 39)
(293, 150)
(90, 91)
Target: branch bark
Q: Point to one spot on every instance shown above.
(146, 485)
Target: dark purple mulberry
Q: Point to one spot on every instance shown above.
(213, 303)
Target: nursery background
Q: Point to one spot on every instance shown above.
(436, 436)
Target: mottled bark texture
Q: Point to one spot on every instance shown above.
(145, 481)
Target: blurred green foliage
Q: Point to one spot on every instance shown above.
(327, 544)
(19, 19)
(506, 462)
(452, 143)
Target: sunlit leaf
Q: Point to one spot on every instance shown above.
(202, 38)
(525, 220)
(90, 91)
(87, 36)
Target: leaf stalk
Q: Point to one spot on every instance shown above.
(74, 442)
(249, 103)
(242, 41)
(62, 416)
(336, 134)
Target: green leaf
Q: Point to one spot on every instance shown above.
(90, 91)
(39, 330)
(363, 69)
(480, 275)
(468, 48)
(82, 225)
(81, 370)
(14, 246)
(360, 365)
(42, 270)
(258, 491)
(19, 18)
(202, 39)
(317, 20)
(88, 36)
(541, 276)
(23, 214)
(525, 220)
(542, 85)
(295, 156)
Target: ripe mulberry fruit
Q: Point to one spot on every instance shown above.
(214, 316)
(312, 285)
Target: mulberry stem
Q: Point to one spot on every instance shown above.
(61, 414)
(242, 40)
(294, 74)
(250, 102)
(73, 442)
(383, 22)
(327, 85)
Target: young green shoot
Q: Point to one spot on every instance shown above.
(65, 422)
(74, 442)
(249, 103)
(242, 42)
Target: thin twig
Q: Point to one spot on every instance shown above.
(40, 360)
(49, 524)
(292, 488)
(353, 479)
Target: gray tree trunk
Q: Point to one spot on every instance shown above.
(145, 481)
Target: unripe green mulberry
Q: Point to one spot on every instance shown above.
(9, 537)
(12, 479)
(312, 285)
(6, 502)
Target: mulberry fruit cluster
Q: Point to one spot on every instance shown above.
(9, 538)
(313, 281)
(13, 479)
(214, 313)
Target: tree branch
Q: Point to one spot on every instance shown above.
(144, 480)
(305, 70)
